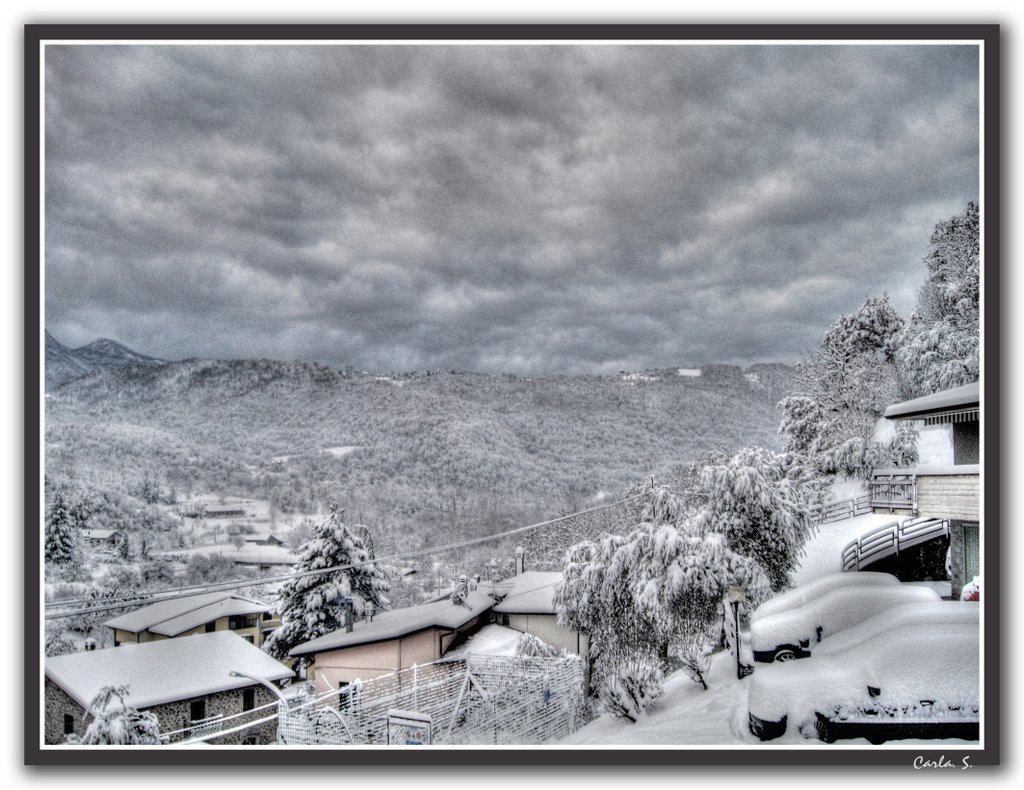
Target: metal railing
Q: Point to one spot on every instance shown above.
(842, 509)
(204, 728)
(890, 539)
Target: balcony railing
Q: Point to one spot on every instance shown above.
(893, 490)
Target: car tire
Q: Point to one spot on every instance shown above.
(786, 653)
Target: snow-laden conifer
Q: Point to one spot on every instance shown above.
(313, 605)
(62, 539)
(941, 347)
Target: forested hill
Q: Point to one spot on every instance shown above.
(399, 445)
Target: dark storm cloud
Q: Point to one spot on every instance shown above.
(525, 209)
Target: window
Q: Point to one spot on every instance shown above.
(211, 627)
(248, 699)
(69, 724)
(197, 710)
(239, 621)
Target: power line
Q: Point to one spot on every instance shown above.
(157, 596)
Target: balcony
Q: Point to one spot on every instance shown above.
(894, 490)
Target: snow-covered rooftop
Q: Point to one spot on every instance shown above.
(401, 622)
(255, 536)
(956, 398)
(166, 670)
(491, 640)
(532, 592)
(248, 554)
(176, 616)
(98, 534)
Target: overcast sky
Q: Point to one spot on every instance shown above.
(581, 209)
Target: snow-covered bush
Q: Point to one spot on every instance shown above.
(631, 684)
(530, 646)
(116, 723)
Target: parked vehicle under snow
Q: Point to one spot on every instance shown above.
(794, 632)
(919, 681)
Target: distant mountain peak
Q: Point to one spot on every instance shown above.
(64, 364)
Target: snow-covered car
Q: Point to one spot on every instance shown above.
(805, 593)
(936, 614)
(916, 682)
(793, 633)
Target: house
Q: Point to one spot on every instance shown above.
(263, 539)
(528, 606)
(101, 537)
(187, 683)
(951, 490)
(392, 641)
(197, 614)
(202, 510)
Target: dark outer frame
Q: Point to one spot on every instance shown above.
(989, 34)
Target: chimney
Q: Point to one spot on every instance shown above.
(520, 560)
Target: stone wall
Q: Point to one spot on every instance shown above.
(172, 716)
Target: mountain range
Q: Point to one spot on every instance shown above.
(415, 456)
(64, 364)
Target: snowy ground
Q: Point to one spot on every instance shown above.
(824, 551)
(688, 715)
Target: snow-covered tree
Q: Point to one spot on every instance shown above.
(117, 723)
(642, 596)
(315, 604)
(62, 537)
(761, 502)
(846, 384)
(58, 643)
(942, 344)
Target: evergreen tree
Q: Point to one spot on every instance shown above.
(313, 605)
(62, 538)
(117, 724)
(941, 348)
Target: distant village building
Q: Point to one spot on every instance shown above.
(213, 511)
(198, 614)
(263, 539)
(101, 537)
(223, 511)
(186, 683)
